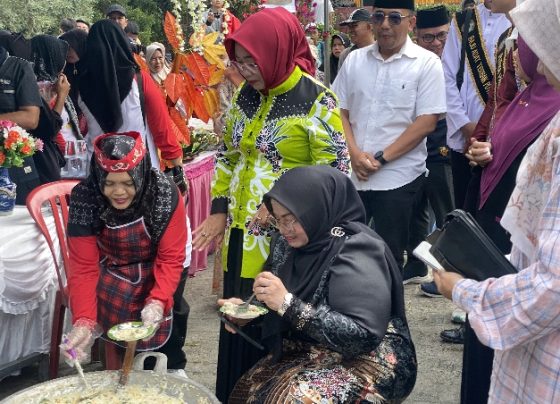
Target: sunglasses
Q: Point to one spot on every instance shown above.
(429, 38)
(394, 17)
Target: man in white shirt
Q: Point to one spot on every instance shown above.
(465, 104)
(391, 94)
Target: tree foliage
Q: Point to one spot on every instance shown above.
(32, 17)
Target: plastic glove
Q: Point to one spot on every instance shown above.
(78, 343)
(152, 313)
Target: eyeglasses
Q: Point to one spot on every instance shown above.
(429, 38)
(245, 67)
(395, 18)
(286, 225)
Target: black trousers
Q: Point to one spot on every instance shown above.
(235, 355)
(477, 369)
(389, 212)
(433, 201)
(461, 177)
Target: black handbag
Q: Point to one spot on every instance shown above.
(462, 246)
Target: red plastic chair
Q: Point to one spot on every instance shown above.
(57, 194)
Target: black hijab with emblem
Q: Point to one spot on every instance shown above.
(155, 200)
(326, 204)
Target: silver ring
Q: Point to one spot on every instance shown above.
(204, 234)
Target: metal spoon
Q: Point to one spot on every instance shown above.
(243, 307)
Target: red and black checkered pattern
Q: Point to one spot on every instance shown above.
(127, 278)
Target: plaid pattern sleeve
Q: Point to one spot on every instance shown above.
(518, 315)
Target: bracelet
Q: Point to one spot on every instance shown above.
(285, 304)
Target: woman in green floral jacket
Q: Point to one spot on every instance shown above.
(280, 118)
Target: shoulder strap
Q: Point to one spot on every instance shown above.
(464, 38)
(140, 83)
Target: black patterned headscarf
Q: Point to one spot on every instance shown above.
(49, 56)
(155, 200)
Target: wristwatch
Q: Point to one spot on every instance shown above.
(379, 157)
(285, 304)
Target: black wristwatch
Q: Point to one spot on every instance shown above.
(379, 157)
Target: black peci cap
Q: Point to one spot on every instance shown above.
(406, 4)
(432, 17)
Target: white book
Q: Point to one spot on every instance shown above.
(422, 252)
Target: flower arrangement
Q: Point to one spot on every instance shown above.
(201, 140)
(305, 11)
(226, 18)
(244, 8)
(196, 10)
(16, 144)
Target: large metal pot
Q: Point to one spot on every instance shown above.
(175, 386)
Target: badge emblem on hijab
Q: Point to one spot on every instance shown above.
(337, 232)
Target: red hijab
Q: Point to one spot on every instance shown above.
(277, 43)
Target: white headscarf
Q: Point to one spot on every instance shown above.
(538, 22)
(162, 74)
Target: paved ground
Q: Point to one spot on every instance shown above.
(439, 371)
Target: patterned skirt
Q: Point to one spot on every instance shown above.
(309, 373)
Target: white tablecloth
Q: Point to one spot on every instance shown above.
(27, 286)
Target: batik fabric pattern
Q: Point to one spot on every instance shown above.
(295, 124)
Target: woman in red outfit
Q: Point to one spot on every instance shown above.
(126, 236)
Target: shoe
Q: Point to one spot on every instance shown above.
(429, 289)
(416, 272)
(458, 316)
(454, 336)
